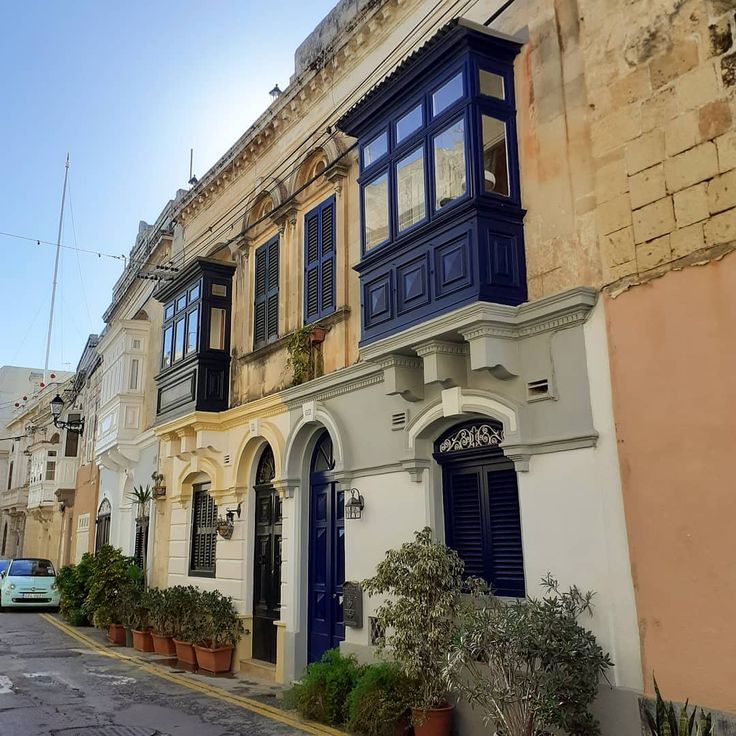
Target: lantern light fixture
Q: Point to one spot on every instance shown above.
(354, 505)
(57, 405)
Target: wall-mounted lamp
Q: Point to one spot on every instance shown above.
(354, 505)
(57, 404)
(226, 526)
(159, 487)
(62, 507)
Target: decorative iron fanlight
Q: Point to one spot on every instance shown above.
(354, 505)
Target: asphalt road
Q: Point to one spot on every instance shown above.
(50, 685)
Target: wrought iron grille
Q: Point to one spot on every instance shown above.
(471, 437)
(204, 533)
(377, 630)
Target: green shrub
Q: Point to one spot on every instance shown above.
(217, 623)
(160, 615)
(323, 691)
(74, 582)
(115, 578)
(184, 604)
(379, 700)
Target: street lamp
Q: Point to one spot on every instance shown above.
(57, 404)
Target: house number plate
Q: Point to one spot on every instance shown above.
(352, 605)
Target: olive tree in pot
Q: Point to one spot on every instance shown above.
(528, 665)
(423, 580)
(218, 631)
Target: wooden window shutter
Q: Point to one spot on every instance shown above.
(204, 533)
(266, 307)
(272, 308)
(319, 261)
(505, 546)
(259, 322)
(465, 520)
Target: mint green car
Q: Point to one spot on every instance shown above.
(29, 582)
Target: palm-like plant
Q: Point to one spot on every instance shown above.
(141, 496)
(666, 723)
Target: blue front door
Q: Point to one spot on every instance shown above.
(326, 628)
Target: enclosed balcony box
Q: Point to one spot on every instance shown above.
(195, 339)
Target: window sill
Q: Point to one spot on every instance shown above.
(260, 353)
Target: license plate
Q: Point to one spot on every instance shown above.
(34, 595)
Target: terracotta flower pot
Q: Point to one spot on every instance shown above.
(128, 637)
(214, 660)
(433, 722)
(185, 652)
(318, 335)
(116, 634)
(142, 641)
(163, 645)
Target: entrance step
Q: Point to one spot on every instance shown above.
(259, 669)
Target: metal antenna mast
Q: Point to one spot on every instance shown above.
(56, 271)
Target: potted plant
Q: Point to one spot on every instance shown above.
(218, 630)
(378, 705)
(185, 605)
(161, 619)
(142, 640)
(528, 665)
(424, 582)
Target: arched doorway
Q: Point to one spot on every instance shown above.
(267, 560)
(102, 533)
(326, 628)
(481, 504)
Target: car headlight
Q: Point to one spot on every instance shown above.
(11, 586)
(54, 586)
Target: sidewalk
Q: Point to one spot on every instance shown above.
(264, 698)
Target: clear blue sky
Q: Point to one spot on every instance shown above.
(127, 89)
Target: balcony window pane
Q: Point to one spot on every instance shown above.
(181, 302)
(50, 470)
(410, 189)
(376, 149)
(406, 125)
(169, 311)
(194, 293)
(217, 329)
(192, 330)
(133, 385)
(448, 93)
(179, 340)
(375, 211)
(495, 167)
(166, 350)
(492, 85)
(449, 164)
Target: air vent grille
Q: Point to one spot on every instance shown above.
(539, 390)
(398, 420)
(226, 459)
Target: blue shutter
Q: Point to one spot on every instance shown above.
(319, 261)
(464, 520)
(266, 307)
(504, 531)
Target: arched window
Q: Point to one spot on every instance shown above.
(266, 467)
(481, 503)
(102, 534)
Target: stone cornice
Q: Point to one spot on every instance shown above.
(485, 319)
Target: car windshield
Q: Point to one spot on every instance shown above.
(4, 565)
(31, 568)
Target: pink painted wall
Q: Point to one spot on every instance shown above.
(673, 368)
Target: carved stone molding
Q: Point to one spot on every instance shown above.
(286, 487)
(444, 362)
(403, 376)
(415, 467)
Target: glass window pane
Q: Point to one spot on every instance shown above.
(410, 189)
(133, 385)
(406, 125)
(169, 311)
(194, 293)
(375, 211)
(192, 330)
(179, 340)
(495, 166)
(448, 93)
(166, 350)
(219, 290)
(449, 164)
(181, 302)
(217, 329)
(492, 85)
(375, 149)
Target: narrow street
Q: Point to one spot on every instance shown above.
(51, 685)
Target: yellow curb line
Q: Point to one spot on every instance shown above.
(254, 706)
